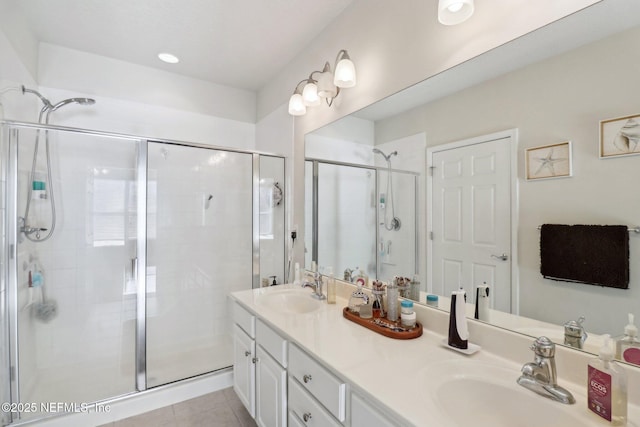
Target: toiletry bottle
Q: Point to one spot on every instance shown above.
(331, 286)
(377, 290)
(628, 346)
(392, 301)
(296, 277)
(607, 387)
(458, 332)
(407, 315)
(482, 303)
(414, 293)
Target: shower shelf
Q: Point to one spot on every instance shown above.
(414, 332)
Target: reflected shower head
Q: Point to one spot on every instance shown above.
(81, 101)
(393, 153)
(48, 107)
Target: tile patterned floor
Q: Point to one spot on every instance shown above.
(219, 409)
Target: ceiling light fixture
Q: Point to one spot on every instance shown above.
(326, 85)
(452, 12)
(168, 58)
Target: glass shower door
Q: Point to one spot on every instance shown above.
(199, 248)
(73, 314)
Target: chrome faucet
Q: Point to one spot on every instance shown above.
(574, 333)
(540, 375)
(316, 284)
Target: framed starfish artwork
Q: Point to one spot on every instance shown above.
(549, 161)
(620, 137)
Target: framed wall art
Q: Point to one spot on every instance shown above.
(549, 161)
(620, 137)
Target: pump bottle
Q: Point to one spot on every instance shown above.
(628, 346)
(607, 387)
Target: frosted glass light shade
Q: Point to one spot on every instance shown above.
(452, 12)
(310, 95)
(345, 75)
(326, 88)
(296, 105)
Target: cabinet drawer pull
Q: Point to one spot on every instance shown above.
(306, 378)
(306, 417)
(247, 353)
(255, 360)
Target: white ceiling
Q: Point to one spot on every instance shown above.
(237, 43)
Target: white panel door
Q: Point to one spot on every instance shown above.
(471, 220)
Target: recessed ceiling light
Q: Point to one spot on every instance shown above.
(168, 58)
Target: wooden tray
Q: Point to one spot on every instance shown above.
(415, 332)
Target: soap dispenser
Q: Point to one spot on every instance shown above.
(482, 302)
(628, 346)
(458, 332)
(607, 387)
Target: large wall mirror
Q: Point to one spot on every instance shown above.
(370, 205)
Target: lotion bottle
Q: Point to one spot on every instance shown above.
(628, 346)
(607, 387)
(331, 286)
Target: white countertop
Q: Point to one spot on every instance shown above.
(401, 374)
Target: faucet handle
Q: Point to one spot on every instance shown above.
(544, 347)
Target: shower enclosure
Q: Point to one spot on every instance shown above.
(129, 292)
(345, 227)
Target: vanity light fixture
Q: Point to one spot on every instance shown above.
(168, 58)
(323, 84)
(452, 12)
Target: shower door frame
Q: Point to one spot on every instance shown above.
(9, 132)
(315, 162)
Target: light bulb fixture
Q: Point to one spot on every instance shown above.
(323, 84)
(452, 12)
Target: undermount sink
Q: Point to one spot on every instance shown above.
(472, 393)
(295, 301)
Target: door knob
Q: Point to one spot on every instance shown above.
(502, 257)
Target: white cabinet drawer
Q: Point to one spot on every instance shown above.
(273, 343)
(306, 408)
(244, 319)
(323, 385)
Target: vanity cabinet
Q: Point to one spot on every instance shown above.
(260, 376)
(316, 396)
(364, 414)
(244, 353)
